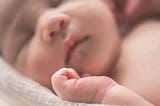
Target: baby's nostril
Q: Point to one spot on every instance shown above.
(62, 23)
(52, 33)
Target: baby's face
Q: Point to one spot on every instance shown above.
(77, 33)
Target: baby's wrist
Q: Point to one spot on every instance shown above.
(121, 96)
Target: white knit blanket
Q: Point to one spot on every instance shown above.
(17, 90)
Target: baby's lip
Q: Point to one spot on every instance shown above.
(70, 44)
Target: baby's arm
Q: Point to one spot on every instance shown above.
(95, 89)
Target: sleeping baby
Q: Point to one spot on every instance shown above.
(73, 48)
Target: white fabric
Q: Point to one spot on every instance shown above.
(17, 90)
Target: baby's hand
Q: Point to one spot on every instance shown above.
(131, 11)
(94, 89)
(135, 10)
(69, 86)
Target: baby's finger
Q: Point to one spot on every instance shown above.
(60, 78)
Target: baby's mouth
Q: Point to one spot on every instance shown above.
(70, 45)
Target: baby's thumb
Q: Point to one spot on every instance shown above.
(60, 78)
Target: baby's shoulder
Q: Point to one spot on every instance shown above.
(145, 32)
(140, 60)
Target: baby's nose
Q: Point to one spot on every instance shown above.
(54, 25)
